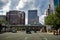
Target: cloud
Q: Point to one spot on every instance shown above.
(25, 5)
(40, 5)
(44, 6)
(3, 3)
(26, 21)
(42, 19)
(14, 3)
(21, 4)
(6, 8)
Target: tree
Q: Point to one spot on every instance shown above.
(49, 20)
(57, 11)
(3, 21)
(54, 19)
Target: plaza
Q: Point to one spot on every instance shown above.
(21, 35)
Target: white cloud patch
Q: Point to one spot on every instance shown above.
(3, 3)
(21, 4)
(42, 19)
(14, 3)
(26, 21)
(6, 8)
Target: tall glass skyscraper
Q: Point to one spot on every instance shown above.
(32, 17)
(56, 3)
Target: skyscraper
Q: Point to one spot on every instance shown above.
(48, 10)
(56, 3)
(32, 17)
(16, 17)
(51, 3)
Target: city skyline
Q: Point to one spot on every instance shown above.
(25, 5)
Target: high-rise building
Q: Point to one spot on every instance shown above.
(51, 3)
(48, 10)
(32, 17)
(16, 17)
(56, 3)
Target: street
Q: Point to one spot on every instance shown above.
(21, 35)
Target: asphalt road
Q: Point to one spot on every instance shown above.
(23, 36)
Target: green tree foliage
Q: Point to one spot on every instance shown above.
(2, 21)
(57, 11)
(49, 19)
(54, 19)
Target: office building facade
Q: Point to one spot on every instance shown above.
(33, 18)
(56, 3)
(16, 17)
(48, 10)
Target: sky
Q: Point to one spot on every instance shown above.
(25, 5)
